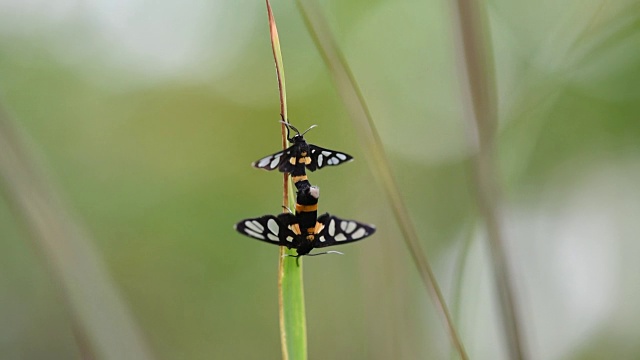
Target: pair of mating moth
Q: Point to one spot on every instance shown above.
(303, 230)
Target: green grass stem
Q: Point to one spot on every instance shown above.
(293, 327)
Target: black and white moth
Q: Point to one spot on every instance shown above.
(305, 231)
(301, 155)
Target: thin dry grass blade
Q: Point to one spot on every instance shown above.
(96, 308)
(356, 106)
(277, 58)
(481, 109)
(293, 328)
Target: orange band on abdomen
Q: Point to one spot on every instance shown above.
(306, 208)
(295, 179)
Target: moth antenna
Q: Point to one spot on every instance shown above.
(289, 210)
(289, 126)
(326, 252)
(312, 126)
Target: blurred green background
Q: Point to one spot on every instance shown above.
(147, 116)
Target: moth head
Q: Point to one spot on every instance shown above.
(298, 137)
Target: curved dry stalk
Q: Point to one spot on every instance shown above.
(480, 105)
(102, 322)
(368, 135)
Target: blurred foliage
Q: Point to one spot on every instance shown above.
(151, 146)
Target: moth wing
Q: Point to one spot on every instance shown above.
(291, 230)
(268, 228)
(274, 161)
(321, 157)
(336, 231)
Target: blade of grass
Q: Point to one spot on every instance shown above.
(370, 140)
(277, 58)
(293, 323)
(293, 327)
(480, 105)
(100, 318)
(460, 268)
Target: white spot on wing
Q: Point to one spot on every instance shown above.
(341, 237)
(332, 228)
(254, 225)
(273, 237)
(289, 239)
(254, 234)
(350, 227)
(341, 156)
(264, 162)
(359, 233)
(326, 153)
(322, 239)
(275, 162)
(258, 225)
(273, 226)
(320, 158)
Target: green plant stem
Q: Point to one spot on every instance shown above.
(293, 327)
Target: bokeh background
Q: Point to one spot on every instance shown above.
(146, 116)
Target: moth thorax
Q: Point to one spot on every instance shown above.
(301, 160)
